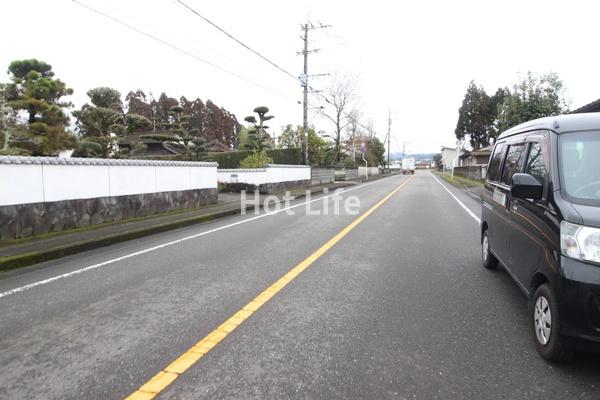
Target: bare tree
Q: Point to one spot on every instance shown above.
(353, 130)
(339, 98)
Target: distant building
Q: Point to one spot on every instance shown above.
(449, 158)
(423, 164)
(476, 157)
(594, 106)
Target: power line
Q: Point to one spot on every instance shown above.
(236, 39)
(174, 47)
(305, 51)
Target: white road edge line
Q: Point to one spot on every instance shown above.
(160, 246)
(475, 217)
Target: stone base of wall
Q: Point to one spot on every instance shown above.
(23, 220)
(266, 188)
(473, 172)
(322, 176)
(347, 174)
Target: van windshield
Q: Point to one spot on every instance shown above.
(580, 166)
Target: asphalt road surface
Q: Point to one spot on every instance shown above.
(398, 306)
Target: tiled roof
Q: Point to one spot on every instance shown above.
(594, 106)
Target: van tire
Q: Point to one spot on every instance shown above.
(488, 259)
(553, 350)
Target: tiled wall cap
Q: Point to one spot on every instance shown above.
(236, 170)
(101, 161)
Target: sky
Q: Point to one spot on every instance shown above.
(414, 59)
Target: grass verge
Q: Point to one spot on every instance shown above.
(458, 181)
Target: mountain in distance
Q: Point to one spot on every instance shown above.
(416, 156)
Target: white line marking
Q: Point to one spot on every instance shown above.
(475, 217)
(160, 246)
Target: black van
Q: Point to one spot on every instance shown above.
(541, 221)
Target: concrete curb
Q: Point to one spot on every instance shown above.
(23, 260)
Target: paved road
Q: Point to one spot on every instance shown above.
(398, 308)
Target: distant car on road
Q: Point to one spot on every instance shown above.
(541, 221)
(408, 165)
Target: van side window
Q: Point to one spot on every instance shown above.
(496, 162)
(513, 162)
(535, 163)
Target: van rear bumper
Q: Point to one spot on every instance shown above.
(579, 301)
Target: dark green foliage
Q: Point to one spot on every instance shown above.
(259, 159)
(106, 97)
(21, 68)
(346, 163)
(261, 110)
(232, 159)
(318, 149)
(477, 117)
(88, 149)
(483, 117)
(257, 138)
(34, 91)
(104, 122)
(375, 152)
(229, 159)
(286, 156)
(37, 92)
(534, 97)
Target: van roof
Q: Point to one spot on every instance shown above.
(558, 124)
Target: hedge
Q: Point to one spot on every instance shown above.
(229, 159)
(232, 159)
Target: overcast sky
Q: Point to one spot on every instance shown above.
(416, 58)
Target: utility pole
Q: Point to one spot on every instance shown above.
(389, 136)
(304, 82)
(305, 96)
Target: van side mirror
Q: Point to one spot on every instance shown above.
(525, 186)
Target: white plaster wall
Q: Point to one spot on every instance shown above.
(32, 180)
(203, 177)
(69, 182)
(271, 174)
(133, 179)
(251, 177)
(279, 173)
(21, 184)
(169, 179)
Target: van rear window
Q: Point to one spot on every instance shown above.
(496, 162)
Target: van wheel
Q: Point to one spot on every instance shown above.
(546, 325)
(488, 259)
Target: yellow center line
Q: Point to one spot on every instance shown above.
(165, 377)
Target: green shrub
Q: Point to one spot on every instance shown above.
(286, 156)
(346, 163)
(256, 160)
(232, 159)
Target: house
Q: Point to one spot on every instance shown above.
(423, 164)
(449, 158)
(594, 106)
(152, 140)
(476, 157)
